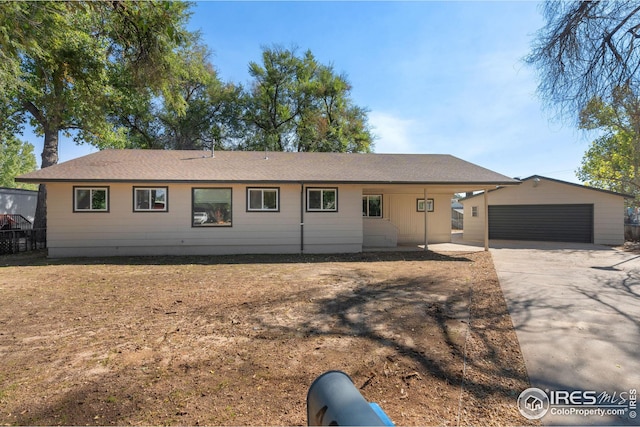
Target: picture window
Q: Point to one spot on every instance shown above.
(211, 207)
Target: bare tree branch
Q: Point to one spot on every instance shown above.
(585, 50)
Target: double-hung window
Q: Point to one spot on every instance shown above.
(91, 199)
(322, 199)
(263, 199)
(372, 206)
(150, 199)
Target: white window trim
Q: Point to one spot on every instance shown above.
(322, 190)
(372, 195)
(135, 199)
(262, 190)
(91, 190)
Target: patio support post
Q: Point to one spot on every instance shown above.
(486, 219)
(426, 221)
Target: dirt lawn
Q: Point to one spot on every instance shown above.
(238, 340)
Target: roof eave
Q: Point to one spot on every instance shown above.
(615, 193)
(559, 181)
(483, 184)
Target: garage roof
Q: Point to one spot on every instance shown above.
(626, 196)
(252, 166)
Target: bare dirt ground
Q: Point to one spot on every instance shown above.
(238, 340)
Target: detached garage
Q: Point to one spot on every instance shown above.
(547, 209)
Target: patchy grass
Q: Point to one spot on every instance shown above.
(238, 340)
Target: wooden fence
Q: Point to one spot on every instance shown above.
(632, 232)
(14, 241)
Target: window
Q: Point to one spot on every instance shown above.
(420, 205)
(322, 199)
(211, 207)
(150, 199)
(372, 206)
(91, 199)
(263, 200)
(474, 211)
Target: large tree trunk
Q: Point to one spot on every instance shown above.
(49, 158)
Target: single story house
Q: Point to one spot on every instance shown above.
(164, 202)
(547, 209)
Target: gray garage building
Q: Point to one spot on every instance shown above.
(547, 209)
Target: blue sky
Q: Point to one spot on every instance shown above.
(437, 77)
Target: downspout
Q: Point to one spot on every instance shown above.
(426, 221)
(301, 217)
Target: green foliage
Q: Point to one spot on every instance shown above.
(68, 66)
(16, 158)
(74, 62)
(298, 104)
(210, 117)
(613, 159)
(127, 74)
(293, 104)
(213, 108)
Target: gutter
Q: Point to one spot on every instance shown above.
(301, 217)
(478, 184)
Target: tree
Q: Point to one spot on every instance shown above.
(298, 104)
(74, 61)
(211, 114)
(585, 51)
(213, 108)
(16, 158)
(613, 160)
(332, 123)
(278, 98)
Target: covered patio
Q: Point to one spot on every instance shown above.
(415, 217)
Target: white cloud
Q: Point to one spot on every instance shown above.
(393, 134)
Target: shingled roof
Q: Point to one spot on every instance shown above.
(251, 166)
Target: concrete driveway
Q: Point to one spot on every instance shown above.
(576, 310)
